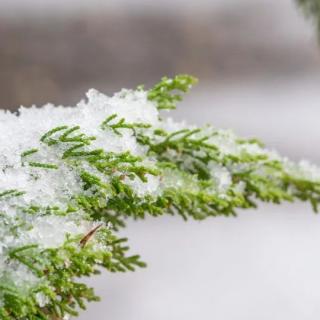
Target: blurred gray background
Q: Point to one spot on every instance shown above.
(259, 66)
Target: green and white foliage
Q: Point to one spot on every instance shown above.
(70, 177)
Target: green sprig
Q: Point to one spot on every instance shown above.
(188, 157)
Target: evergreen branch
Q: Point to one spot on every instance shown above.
(59, 225)
(43, 165)
(163, 93)
(11, 193)
(312, 10)
(122, 124)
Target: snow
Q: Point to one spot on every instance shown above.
(54, 187)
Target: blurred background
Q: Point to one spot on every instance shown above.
(259, 67)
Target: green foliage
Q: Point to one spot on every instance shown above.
(312, 9)
(165, 95)
(62, 268)
(185, 161)
(11, 193)
(121, 124)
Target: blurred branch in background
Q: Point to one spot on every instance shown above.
(312, 8)
(50, 56)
